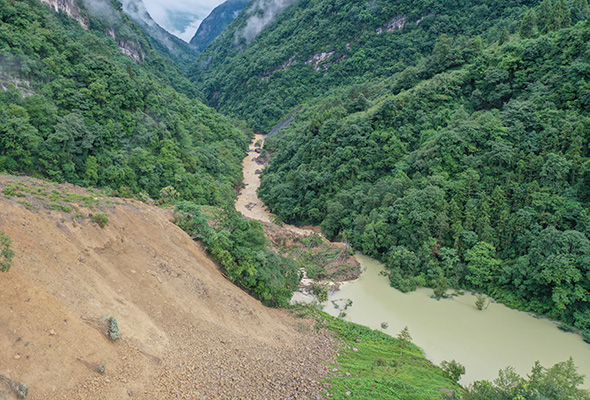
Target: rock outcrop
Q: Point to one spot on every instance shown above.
(69, 7)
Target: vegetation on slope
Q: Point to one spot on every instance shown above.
(316, 45)
(559, 382)
(216, 22)
(480, 174)
(373, 365)
(76, 109)
(242, 251)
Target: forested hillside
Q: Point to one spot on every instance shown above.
(315, 45)
(471, 168)
(75, 109)
(216, 22)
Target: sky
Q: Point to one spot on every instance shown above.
(180, 17)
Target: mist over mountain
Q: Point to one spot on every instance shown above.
(164, 41)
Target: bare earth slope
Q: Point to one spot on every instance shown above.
(186, 332)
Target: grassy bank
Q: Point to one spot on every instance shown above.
(373, 365)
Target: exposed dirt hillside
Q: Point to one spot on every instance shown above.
(186, 332)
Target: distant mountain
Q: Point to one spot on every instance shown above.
(166, 43)
(216, 22)
(278, 53)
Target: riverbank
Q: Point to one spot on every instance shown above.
(483, 341)
(324, 264)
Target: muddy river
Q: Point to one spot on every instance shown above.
(483, 341)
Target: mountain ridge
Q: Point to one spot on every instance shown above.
(216, 22)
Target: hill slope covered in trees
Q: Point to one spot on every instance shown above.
(478, 176)
(448, 140)
(311, 46)
(75, 109)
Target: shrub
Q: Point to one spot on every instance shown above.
(320, 291)
(440, 288)
(19, 389)
(481, 302)
(168, 195)
(100, 218)
(566, 327)
(453, 369)
(113, 329)
(6, 253)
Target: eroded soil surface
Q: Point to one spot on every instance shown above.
(186, 332)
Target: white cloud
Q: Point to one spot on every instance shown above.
(159, 11)
(189, 31)
(260, 14)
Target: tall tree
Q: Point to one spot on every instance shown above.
(560, 16)
(544, 15)
(528, 26)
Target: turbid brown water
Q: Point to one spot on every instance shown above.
(248, 202)
(483, 341)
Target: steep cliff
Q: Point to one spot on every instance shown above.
(166, 43)
(69, 7)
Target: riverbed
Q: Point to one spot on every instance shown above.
(483, 341)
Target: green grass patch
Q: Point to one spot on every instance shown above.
(100, 218)
(13, 189)
(61, 207)
(374, 365)
(26, 204)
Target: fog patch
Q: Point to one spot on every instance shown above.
(259, 15)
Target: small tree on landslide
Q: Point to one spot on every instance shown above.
(404, 338)
(454, 369)
(6, 253)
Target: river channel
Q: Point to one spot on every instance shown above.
(483, 341)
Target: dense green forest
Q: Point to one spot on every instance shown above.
(559, 382)
(242, 251)
(477, 177)
(77, 110)
(316, 45)
(448, 139)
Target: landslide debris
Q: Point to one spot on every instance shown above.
(186, 332)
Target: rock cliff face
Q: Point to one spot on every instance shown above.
(131, 49)
(68, 7)
(72, 9)
(176, 48)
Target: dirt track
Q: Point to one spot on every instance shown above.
(187, 333)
